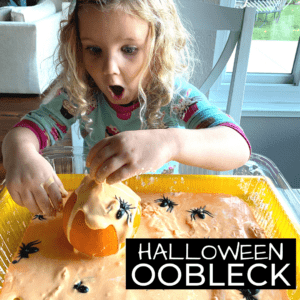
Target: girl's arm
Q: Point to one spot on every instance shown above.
(27, 170)
(218, 148)
(17, 142)
(134, 152)
(30, 179)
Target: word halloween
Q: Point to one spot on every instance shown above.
(210, 263)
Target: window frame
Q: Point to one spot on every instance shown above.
(279, 94)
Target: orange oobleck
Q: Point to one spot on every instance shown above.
(57, 272)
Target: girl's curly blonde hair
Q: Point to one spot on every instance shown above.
(169, 57)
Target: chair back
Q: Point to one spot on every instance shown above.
(240, 23)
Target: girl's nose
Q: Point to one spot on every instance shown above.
(110, 65)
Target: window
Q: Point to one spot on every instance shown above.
(272, 86)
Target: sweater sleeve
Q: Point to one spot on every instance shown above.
(192, 110)
(51, 121)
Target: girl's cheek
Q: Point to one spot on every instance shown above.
(135, 70)
(93, 67)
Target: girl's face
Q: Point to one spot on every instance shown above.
(115, 50)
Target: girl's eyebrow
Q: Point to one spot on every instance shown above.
(129, 39)
(85, 39)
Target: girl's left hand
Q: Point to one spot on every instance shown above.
(128, 154)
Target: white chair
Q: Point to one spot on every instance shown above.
(28, 39)
(240, 23)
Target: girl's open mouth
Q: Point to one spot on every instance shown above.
(116, 91)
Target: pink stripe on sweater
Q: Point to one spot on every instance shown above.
(239, 130)
(40, 134)
(190, 112)
(62, 127)
(124, 112)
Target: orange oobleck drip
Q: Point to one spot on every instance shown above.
(95, 221)
(100, 242)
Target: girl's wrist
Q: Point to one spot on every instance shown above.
(15, 149)
(173, 142)
(19, 154)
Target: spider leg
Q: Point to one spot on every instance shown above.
(33, 243)
(191, 211)
(248, 297)
(109, 209)
(77, 285)
(16, 261)
(129, 216)
(208, 213)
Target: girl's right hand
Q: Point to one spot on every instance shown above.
(27, 176)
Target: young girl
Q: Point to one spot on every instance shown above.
(123, 66)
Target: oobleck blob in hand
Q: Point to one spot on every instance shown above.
(97, 218)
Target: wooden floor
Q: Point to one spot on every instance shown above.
(13, 107)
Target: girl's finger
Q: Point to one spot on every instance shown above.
(47, 183)
(109, 167)
(31, 203)
(93, 152)
(121, 174)
(16, 197)
(60, 185)
(46, 187)
(54, 196)
(102, 156)
(42, 199)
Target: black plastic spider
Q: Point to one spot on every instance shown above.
(81, 288)
(249, 294)
(26, 250)
(40, 217)
(124, 208)
(165, 201)
(200, 212)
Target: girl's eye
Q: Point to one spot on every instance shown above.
(129, 50)
(94, 50)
